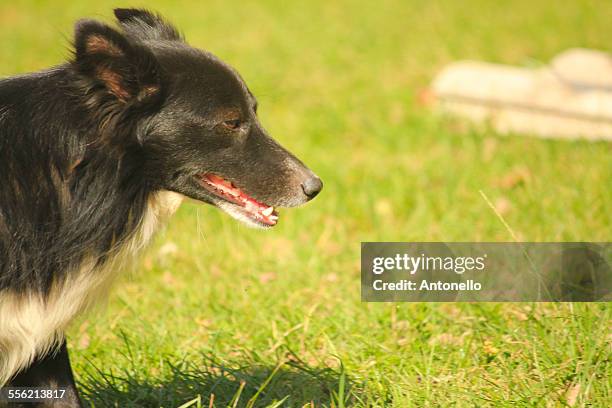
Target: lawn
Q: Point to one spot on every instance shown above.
(214, 310)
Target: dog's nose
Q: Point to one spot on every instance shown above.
(312, 186)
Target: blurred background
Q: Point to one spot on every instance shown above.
(216, 310)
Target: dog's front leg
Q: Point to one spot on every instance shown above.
(51, 371)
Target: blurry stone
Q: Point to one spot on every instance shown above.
(571, 98)
(584, 68)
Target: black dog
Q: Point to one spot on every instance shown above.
(96, 153)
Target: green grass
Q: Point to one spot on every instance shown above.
(275, 317)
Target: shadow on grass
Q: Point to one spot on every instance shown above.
(289, 384)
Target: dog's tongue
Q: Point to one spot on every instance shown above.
(228, 188)
(250, 204)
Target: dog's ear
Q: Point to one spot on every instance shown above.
(145, 25)
(113, 64)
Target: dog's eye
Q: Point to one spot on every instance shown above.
(233, 124)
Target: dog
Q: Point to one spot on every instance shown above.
(96, 154)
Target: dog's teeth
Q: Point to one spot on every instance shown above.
(273, 218)
(268, 211)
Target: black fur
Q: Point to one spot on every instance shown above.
(83, 146)
(51, 371)
(71, 170)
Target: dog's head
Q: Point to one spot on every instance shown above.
(193, 118)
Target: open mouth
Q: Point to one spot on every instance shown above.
(242, 203)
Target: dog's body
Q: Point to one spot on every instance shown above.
(33, 321)
(97, 153)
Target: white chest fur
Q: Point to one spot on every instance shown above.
(30, 324)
